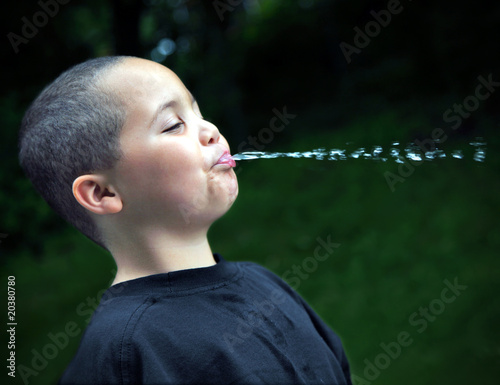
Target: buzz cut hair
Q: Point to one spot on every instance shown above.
(71, 129)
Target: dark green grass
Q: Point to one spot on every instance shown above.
(396, 249)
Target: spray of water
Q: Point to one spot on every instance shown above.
(411, 151)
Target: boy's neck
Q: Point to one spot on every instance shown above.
(162, 254)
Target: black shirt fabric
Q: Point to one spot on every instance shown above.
(231, 323)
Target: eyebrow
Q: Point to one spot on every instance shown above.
(166, 106)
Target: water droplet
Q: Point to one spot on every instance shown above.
(440, 153)
(478, 142)
(479, 155)
(457, 154)
(430, 155)
(356, 154)
(377, 150)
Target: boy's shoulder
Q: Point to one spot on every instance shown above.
(99, 355)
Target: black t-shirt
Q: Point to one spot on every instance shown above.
(231, 323)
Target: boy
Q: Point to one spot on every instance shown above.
(119, 148)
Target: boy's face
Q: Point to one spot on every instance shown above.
(169, 176)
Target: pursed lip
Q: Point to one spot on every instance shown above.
(226, 158)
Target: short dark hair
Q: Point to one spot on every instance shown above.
(72, 128)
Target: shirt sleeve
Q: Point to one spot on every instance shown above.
(329, 336)
(331, 339)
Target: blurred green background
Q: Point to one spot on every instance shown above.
(242, 59)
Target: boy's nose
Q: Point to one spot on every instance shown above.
(209, 133)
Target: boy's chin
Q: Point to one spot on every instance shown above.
(197, 218)
(232, 188)
(228, 206)
(230, 201)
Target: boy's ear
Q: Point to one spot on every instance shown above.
(95, 194)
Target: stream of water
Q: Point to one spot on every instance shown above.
(410, 151)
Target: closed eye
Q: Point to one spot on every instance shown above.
(173, 128)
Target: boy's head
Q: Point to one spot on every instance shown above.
(118, 144)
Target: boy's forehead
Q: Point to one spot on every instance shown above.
(139, 78)
(142, 67)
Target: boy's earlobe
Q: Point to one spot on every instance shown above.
(93, 193)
